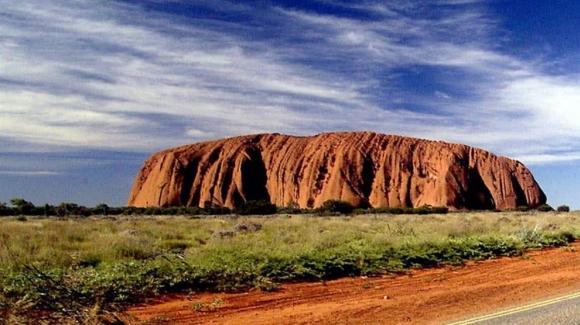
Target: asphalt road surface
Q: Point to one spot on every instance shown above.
(560, 310)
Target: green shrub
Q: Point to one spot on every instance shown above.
(545, 208)
(522, 208)
(292, 208)
(256, 208)
(440, 210)
(102, 209)
(426, 209)
(389, 210)
(558, 239)
(21, 206)
(563, 208)
(213, 210)
(335, 206)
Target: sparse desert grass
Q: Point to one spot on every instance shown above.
(82, 268)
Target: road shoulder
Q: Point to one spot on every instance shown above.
(422, 297)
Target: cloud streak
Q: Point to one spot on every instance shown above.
(27, 173)
(120, 76)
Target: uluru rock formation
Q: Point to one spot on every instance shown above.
(362, 168)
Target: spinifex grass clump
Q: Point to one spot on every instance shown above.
(81, 269)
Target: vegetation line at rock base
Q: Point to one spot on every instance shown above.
(83, 269)
(19, 206)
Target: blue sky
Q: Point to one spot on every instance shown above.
(88, 89)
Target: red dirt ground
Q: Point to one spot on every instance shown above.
(429, 296)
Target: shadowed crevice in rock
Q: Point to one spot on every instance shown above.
(189, 173)
(519, 192)
(368, 179)
(227, 174)
(368, 176)
(362, 168)
(478, 196)
(253, 172)
(213, 161)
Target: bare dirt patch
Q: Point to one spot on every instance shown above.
(421, 297)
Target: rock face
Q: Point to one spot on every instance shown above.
(362, 168)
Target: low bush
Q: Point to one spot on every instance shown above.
(426, 209)
(563, 208)
(522, 208)
(256, 208)
(389, 210)
(335, 206)
(545, 208)
(293, 209)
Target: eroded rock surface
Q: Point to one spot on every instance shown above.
(362, 168)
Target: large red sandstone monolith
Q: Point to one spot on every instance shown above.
(362, 168)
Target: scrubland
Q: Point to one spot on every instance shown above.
(83, 269)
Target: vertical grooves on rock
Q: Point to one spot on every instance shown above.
(359, 167)
(160, 196)
(367, 177)
(212, 163)
(520, 195)
(189, 174)
(227, 179)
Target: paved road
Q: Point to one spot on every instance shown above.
(560, 310)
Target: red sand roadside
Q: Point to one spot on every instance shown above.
(423, 297)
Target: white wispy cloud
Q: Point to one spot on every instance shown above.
(116, 76)
(28, 173)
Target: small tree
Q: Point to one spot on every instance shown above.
(21, 206)
(563, 208)
(291, 208)
(68, 209)
(49, 210)
(102, 209)
(336, 206)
